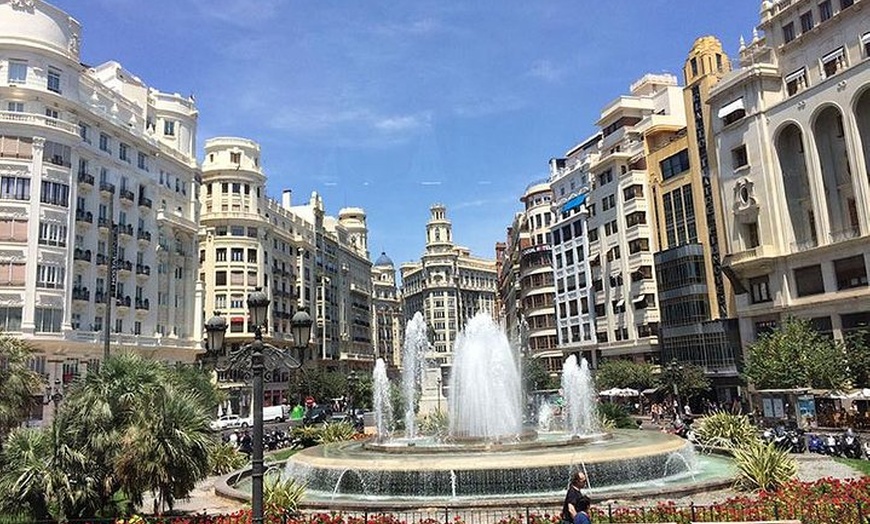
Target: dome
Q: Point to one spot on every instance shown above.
(383, 260)
(40, 25)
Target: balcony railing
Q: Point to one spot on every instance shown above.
(145, 202)
(125, 229)
(81, 293)
(128, 195)
(143, 304)
(124, 265)
(100, 297)
(123, 301)
(104, 222)
(142, 269)
(143, 235)
(107, 187)
(84, 216)
(102, 260)
(86, 179)
(82, 254)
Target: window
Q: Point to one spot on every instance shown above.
(57, 154)
(52, 234)
(674, 165)
(834, 62)
(53, 80)
(825, 11)
(632, 192)
(237, 301)
(104, 143)
(252, 255)
(759, 289)
(846, 3)
(47, 320)
(237, 254)
(739, 158)
(54, 193)
(638, 245)
(50, 277)
(123, 152)
(220, 254)
(865, 44)
(14, 188)
(169, 127)
(220, 301)
(796, 81)
(605, 178)
(237, 231)
(220, 278)
(10, 319)
(15, 107)
(750, 235)
(788, 32)
(638, 217)
(851, 272)
(809, 281)
(694, 64)
(807, 22)
(235, 158)
(17, 72)
(142, 161)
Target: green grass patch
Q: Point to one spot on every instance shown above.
(861, 465)
(281, 454)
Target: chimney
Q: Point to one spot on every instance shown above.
(285, 198)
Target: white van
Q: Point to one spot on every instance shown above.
(270, 414)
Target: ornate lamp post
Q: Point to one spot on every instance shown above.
(254, 358)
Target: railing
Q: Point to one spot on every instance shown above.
(141, 234)
(86, 178)
(143, 304)
(844, 234)
(124, 265)
(102, 259)
(41, 120)
(81, 293)
(84, 216)
(128, 195)
(82, 254)
(142, 269)
(125, 229)
(145, 202)
(107, 187)
(123, 301)
(104, 222)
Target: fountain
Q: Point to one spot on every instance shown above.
(488, 456)
(413, 362)
(382, 404)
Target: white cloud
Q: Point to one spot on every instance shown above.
(430, 183)
(546, 71)
(242, 13)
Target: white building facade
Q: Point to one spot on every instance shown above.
(793, 136)
(82, 149)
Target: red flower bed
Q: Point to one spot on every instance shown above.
(824, 501)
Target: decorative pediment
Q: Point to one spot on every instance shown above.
(745, 201)
(14, 170)
(12, 255)
(49, 300)
(11, 300)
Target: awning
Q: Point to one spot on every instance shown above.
(620, 303)
(639, 299)
(795, 75)
(865, 39)
(734, 106)
(649, 391)
(574, 203)
(833, 55)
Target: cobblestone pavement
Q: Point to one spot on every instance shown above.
(811, 467)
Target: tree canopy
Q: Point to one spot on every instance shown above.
(621, 373)
(689, 380)
(796, 356)
(18, 383)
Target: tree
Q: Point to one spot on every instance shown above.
(536, 376)
(857, 347)
(621, 373)
(796, 356)
(687, 380)
(18, 383)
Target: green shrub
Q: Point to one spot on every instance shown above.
(281, 494)
(336, 432)
(725, 430)
(306, 436)
(224, 458)
(761, 466)
(435, 423)
(615, 416)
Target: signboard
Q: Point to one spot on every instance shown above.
(807, 406)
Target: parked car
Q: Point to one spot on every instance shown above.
(225, 422)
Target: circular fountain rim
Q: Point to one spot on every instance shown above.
(526, 442)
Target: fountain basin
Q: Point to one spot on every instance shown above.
(531, 440)
(629, 463)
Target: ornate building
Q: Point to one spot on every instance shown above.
(387, 316)
(98, 204)
(792, 128)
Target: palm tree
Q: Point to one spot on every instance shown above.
(18, 383)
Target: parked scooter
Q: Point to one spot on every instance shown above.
(832, 446)
(816, 444)
(850, 445)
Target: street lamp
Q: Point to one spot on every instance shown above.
(254, 358)
(352, 381)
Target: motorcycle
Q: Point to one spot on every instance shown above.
(832, 446)
(816, 444)
(851, 445)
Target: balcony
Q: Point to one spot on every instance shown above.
(143, 270)
(104, 223)
(142, 304)
(124, 265)
(107, 188)
(127, 196)
(123, 301)
(82, 254)
(145, 202)
(125, 229)
(143, 236)
(100, 297)
(81, 294)
(86, 179)
(84, 217)
(102, 260)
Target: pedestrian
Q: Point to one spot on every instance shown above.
(575, 509)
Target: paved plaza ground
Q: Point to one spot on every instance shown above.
(811, 467)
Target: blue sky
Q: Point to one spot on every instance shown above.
(393, 106)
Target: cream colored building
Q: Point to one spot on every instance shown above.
(448, 286)
(792, 129)
(82, 148)
(387, 315)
